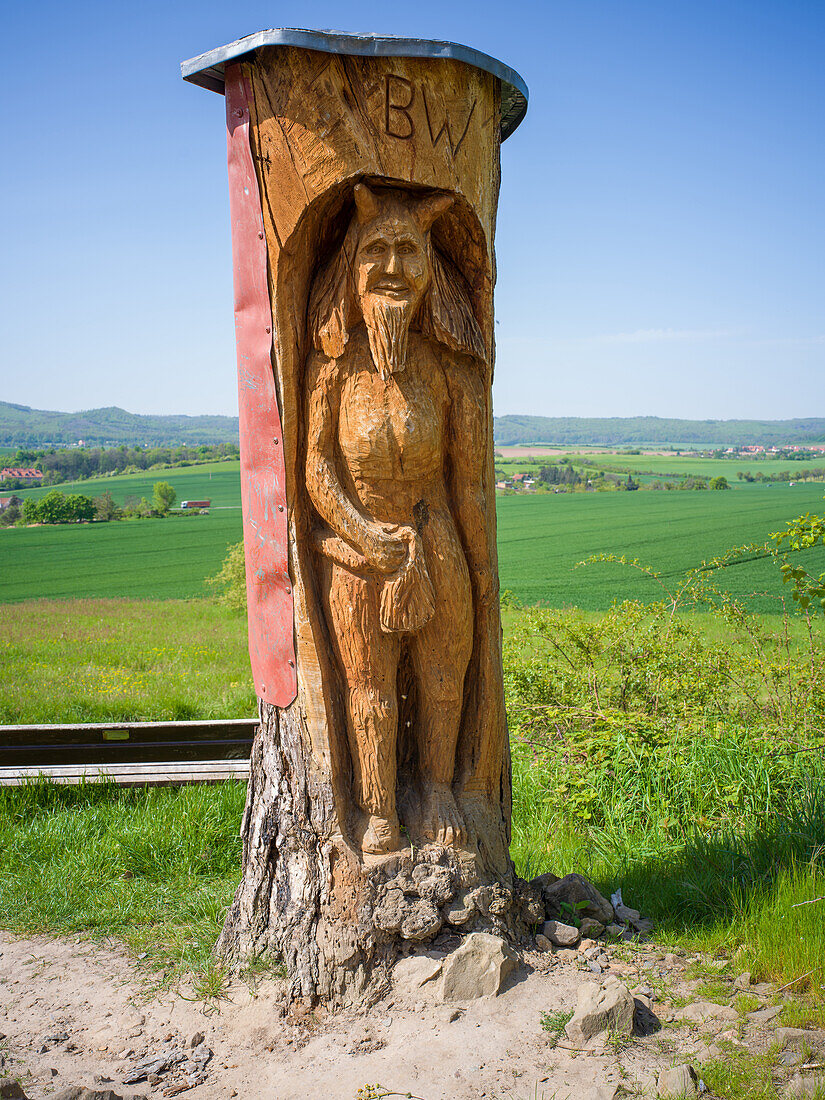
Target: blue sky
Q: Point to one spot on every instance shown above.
(661, 238)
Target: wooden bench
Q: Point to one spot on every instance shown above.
(131, 754)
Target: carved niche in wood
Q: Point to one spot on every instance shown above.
(396, 426)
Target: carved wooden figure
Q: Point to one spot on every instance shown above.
(379, 800)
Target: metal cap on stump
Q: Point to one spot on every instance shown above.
(364, 177)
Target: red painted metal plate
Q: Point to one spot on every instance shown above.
(263, 476)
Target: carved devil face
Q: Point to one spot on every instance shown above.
(392, 258)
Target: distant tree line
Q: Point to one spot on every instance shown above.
(56, 507)
(79, 463)
(617, 430)
(807, 473)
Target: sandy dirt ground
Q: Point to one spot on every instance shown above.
(74, 1012)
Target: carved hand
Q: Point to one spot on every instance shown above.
(386, 546)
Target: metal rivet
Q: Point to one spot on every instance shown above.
(280, 507)
(276, 440)
(263, 688)
(268, 329)
(238, 112)
(260, 236)
(292, 664)
(288, 590)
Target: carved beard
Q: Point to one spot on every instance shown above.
(388, 327)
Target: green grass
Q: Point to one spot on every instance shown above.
(156, 867)
(123, 660)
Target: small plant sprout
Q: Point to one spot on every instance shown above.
(378, 1092)
(554, 1024)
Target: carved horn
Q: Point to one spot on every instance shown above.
(430, 209)
(366, 203)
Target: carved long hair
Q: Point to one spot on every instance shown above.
(445, 314)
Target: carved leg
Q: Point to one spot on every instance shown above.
(440, 654)
(368, 660)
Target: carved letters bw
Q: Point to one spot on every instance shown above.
(399, 104)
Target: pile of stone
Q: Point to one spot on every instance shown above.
(576, 911)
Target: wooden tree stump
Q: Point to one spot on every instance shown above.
(364, 192)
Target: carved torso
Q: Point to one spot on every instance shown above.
(391, 433)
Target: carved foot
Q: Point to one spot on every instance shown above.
(441, 820)
(380, 835)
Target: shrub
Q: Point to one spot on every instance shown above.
(230, 581)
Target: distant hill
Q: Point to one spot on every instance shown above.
(606, 431)
(21, 426)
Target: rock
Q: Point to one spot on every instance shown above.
(700, 1011)
(433, 882)
(77, 1092)
(590, 928)
(390, 914)
(411, 973)
(153, 1067)
(790, 1057)
(476, 969)
(575, 893)
(805, 1087)
(599, 1092)
(615, 931)
(421, 922)
(626, 914)
(743, 981)
(797, 1037)
(544, 882)
(645, 1020)
(678, 1082)
(196, 1039)
(560, 934)
(531, 902)
(542, 943)
(765, 1015)
(607, 1006)
(201, 1055)
(11, 1090)
(764, 989)
(459, 910)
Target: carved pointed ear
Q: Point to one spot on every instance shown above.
(366, 203)
(430, 209)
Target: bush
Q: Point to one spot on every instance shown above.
(230, 581)
(55, 507)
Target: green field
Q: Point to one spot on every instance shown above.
(215, 481)
(148, 558)
(670, 466)
(541, 538)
